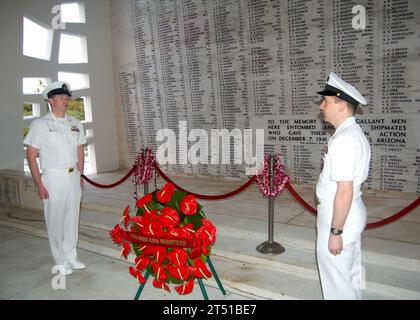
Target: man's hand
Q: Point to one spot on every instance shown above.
(42, 193)
(335, 244)
(342, 203)
(31, 155)
(82, 183)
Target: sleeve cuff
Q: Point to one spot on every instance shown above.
(32, 145)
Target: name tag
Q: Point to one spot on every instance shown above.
(75, 128)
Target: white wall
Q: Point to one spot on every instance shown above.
(14, 66)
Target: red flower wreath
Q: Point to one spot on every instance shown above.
(170, 236)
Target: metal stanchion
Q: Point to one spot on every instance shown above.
(270, 246)
(146, 188)
(146, 184)
(135, 182)
(155, 180)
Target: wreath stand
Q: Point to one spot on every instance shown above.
(200, 282)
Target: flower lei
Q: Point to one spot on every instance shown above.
(144, 166)
(280, 178)
(165, 221)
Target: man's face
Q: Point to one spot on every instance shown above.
(329, 109)
(59, 102)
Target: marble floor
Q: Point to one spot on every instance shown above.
(391, 253)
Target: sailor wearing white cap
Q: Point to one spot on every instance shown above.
(341, 212)
(58, 140)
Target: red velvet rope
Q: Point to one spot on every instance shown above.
(105, 186)
(288, 186)
(396, 216)
(203, 196)
(371, 225)
(299, 199)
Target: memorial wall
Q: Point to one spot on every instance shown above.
(258, 64)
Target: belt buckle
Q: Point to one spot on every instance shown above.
(71, 169)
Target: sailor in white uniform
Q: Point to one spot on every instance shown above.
(58, 140)
(341, 212)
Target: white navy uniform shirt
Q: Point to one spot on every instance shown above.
(57, 140)
(347, 159)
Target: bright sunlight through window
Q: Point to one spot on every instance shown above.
(73, 12)
(37, 40)
(77, 81)
(73, 49)
(34, 85)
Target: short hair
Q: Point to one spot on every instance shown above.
(352, 107)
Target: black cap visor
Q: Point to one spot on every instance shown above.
(55, 92)
(332, 91)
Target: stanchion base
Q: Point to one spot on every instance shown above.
(270, 248)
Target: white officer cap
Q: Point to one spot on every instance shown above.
(337, 87)
(58, 87)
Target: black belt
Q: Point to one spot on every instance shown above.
(69, 170)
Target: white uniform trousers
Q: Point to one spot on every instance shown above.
(61, 211)
(341, 275)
